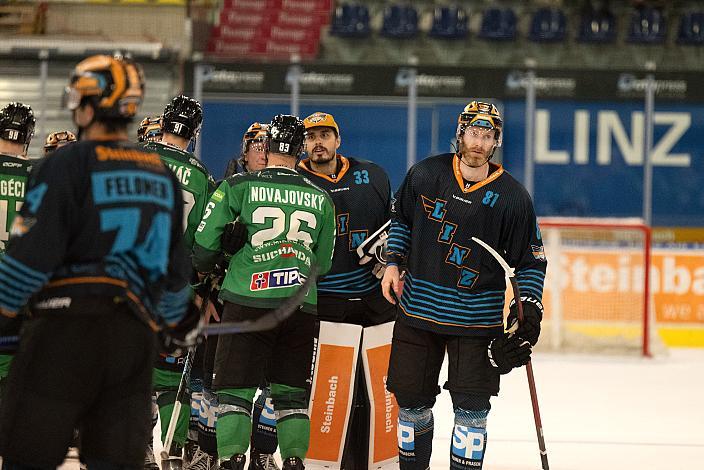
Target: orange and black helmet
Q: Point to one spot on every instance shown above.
(114, 86)
(149, 129)
(480, 114)
(56, 139)
(255, 133)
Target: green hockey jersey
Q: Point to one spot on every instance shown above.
(14, 172)
(290, 225)
(196, 184)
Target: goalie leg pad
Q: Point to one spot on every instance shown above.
(415, 437)
(468, 439)
(264, 424)
(234, 424)
(292, 422)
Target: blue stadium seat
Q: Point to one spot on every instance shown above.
(548, 25)
(498, 24)
(597, 27)
(400, 22)
(350, 21)
(691, 29)
(449, 23)
(648, 26)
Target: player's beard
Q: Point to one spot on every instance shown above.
(475, 157)
(322, 157)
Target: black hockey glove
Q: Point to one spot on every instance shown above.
(173, 338)
(508, 352)
(233, 238)
(532, 316)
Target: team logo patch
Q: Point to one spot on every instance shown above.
(218, 195)
(276, 279)
(406, 436)
(538, 252)
(318, 117)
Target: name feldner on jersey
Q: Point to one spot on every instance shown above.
(196, 185)
(362, 196)
(14, 172)
(290, 225)
(453, 285)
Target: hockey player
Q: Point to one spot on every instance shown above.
(97, 247)
(57, 140)
(16, 131)
(453, 294)
(149, 129)
(349, 293)
(252, 156)
(179, 126)
(290, 225)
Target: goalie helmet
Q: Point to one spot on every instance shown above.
(113, 85)
(58, 139)
(480, 114)
(255, 133)
(17, 123)
(285, 135)
(150, 129)
(183, 117)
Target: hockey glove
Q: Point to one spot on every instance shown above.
(374, 249)
(173, 337)
(233, 238)
(508, 352)
(532, 316)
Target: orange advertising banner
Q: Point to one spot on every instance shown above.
(607, 285)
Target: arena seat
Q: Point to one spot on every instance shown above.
(400, 22)
(351, 21)
(498, 24)
(691, 30)
(548, 25)
(597, 27)
(648, 26)
(449, 22)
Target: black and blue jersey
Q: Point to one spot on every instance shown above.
(362, 195)
(99, 218)
(453, 285)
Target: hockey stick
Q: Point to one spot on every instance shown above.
(511, 277)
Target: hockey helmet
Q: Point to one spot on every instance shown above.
(55, 139)
(149, 129)
(480, 114)
(255, 133)
(17, 123)
(114, 85)
(319, 119)
(183, 117)
(285, 135)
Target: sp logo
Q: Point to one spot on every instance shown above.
(404, 433)
(468, 442)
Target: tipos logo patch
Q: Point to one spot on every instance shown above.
(276, 279)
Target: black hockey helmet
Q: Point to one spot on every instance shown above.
(114, 85)
(17, 123)
(183, 117)
(285, 135)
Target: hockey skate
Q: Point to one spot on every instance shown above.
(198, 459)
(174, 460)
(149, 459)
(293, 463)
(259, 461)
(236, 462)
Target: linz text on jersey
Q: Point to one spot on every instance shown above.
(126, 186)
(12, 187)
(286, 196)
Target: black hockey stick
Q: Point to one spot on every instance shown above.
(511, 276)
